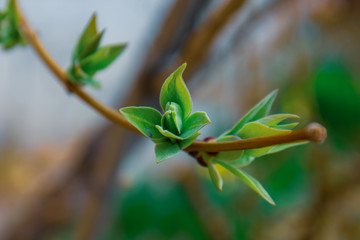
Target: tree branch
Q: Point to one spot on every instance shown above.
(314, 132)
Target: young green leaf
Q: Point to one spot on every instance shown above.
(191, 126)
(215, 175)
(260, 110)
(92, 46)
(256, 129)
(144, 119)
(288, 126)
(274, 119)
(243, 161)
(166, 150)
(167, 133)
(87, 36)
(168, 122)
(9, 43)
(194, 123)
(249, 180)
(281, 147)
(12, 14)
(101, 59)
(187, 142)
(229, 155)
(91, 82)
(176, 115)
(175, 90)
(9, 27)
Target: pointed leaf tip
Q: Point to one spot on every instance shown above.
(253, 183)
(175, 90)
(101, 59)
(260, 110)
(215, 175)
(87, 36)
(92, 46)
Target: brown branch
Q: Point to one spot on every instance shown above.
(197, 47)
(314, 133)
(199, 43)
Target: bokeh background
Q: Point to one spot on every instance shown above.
(66, 173)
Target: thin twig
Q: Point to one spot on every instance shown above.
(314, 133)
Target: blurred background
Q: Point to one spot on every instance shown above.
(67, 173)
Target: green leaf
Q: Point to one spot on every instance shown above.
(191, 126)
(92, 46)
(77, 76)
(166, 150)
(260, 110)
(9, 27)
(3, 15)
(168, 123)
(87, 36)
(144, 119)
(256, 129)
(249, 180)
(281, 147)
(187, 142)
(12, 14)
(175, 90)
(288, 126)
(101, 59)
(176, 115)
(229, 155)
(194, 123)
(215, 175)
(243, 161)
(91, 82)
(167, 133)
(274, 119)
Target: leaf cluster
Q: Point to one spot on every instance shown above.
(10, 35)
(89, 57)
(256, 123)
(177, 127)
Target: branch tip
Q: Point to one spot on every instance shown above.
(316, 132)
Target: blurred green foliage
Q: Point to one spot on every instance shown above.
(149, 212)
(89, 57)
(10, 35)
(337, 94)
